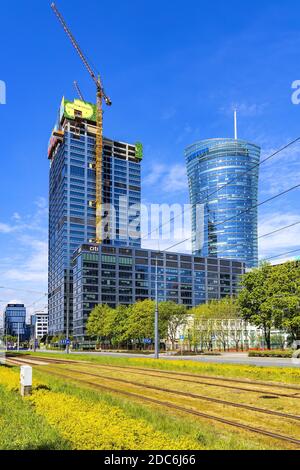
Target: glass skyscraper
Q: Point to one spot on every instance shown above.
(72, 194)
(15, 321)
(223, 184)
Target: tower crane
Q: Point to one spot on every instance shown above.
(78, 90)
(101, 96)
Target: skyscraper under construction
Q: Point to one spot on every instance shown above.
(72, 200)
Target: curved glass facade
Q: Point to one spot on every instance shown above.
(228, 231)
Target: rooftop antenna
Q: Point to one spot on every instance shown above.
(235, 124)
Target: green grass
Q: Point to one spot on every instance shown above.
(209, 435)
(22, 428)
(272, 374)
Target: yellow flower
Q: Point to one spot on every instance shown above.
(101, 426)
(95, 426)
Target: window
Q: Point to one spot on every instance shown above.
(76, 171)
(108, 259)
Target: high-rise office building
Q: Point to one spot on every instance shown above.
(223, 184)
(15, 321)
(72, 195)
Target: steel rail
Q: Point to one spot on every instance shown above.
(184, 410)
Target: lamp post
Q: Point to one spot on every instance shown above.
(18, 337)
(68, 312)
(34, 335)
(5, 333)
(156, 329)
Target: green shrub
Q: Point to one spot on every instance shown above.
(272, 353)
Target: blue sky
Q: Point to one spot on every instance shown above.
(174, 71)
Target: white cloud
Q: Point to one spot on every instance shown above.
(168, 178)
(24, 257)
(6, 228)
(282, 241)
(16, 216)
(176, 179)
(282, 171)
(34, 267)
(155, 174)
(41, 203)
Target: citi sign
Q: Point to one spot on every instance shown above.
(2, 92)
(94, 248)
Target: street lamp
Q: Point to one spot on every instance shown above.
(34, 335)
(156, 329)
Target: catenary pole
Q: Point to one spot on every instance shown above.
(157, 341)
(68, 311)
(34, 335)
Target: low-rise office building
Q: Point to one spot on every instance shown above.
(116, 275)
(39, 324)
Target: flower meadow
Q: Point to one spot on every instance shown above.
(88, 425)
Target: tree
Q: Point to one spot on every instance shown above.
(285, 284)
(10, 339)
(98, 321)
(135, 322)
(202, 326)
(212, 321)
(172, 318)
(271, 298)
(226, 314)
(116, 325)
(141, 320)
(256, 300)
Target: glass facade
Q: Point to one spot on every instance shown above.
(15, 321)
(72, 212)
(115, 275)
(230, 225)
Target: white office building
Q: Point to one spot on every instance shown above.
(39, 324)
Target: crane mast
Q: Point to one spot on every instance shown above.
(78, 90)
(99, 124)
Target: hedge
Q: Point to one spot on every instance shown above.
(272, 353)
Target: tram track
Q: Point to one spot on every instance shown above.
(193, 379)
(184, 374)
(174, 406)
(190, 395)
(35, 362)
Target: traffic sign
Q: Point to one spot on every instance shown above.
(182, 337)
(147, 341)
(65, 342)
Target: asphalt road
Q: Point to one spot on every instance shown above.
(226, 358)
